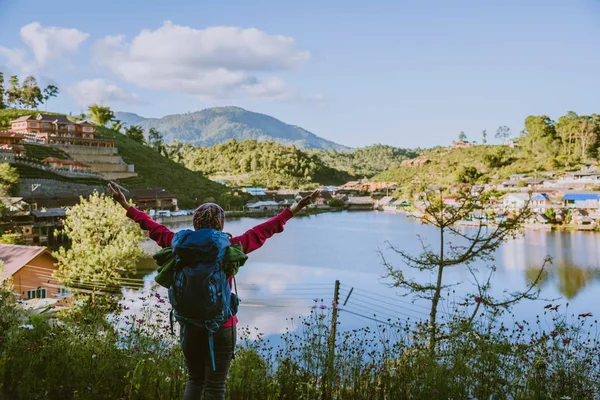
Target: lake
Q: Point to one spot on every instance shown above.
(282, 279)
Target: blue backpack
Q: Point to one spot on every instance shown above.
(200, 294)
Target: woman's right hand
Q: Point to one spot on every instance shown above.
(118, 196)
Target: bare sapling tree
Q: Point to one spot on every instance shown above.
(460, 246)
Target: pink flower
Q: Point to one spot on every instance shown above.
(157, 295)
(478, 299)
(566, 341)
(323, 307)
(137, 349)
(554, 334)
(125, 308)
(139, 321)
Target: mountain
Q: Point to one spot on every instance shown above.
(220, 124)
(129, 118)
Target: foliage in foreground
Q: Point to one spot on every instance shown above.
(104, 245)
(84, 354)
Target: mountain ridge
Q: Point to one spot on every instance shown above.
(219, 124)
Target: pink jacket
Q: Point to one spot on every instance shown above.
(251, 240)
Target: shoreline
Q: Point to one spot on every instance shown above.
(234, 215)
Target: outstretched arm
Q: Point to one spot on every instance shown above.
(157, 232)
(254, 238)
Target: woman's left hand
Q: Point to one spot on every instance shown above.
(304, 202)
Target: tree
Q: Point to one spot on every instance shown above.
(49, 91)
(540, 135)
(105, 245)
(484, 134)
(462, 136)
(502, 133)
(467, 174)
(155, 140)
(135, 132)
(100, 115)
(2, 92)
(14, 94)
(457, 247)
(31, 93)
(587, 132)
(117, 125)
(565, 128)
(8, 180)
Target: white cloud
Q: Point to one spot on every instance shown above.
(100, 91)
(271, 89)
(215, 62)
(17, 58)
(45, 43)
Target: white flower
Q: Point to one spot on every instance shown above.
(93, 356)
(28, 326)
(168, 379)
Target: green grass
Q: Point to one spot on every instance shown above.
(156, 171)
(28, 172)
(39, 152)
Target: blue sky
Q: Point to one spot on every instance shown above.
(405, 73)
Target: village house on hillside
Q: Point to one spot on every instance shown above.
(11, 145)
(31, 269)
(58, 129)
(158, 199)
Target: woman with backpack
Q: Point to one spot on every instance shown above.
(208, 355)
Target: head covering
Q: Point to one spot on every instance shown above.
(209, 215)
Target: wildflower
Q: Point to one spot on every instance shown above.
(548, 306)
(139, 321)
(554, 334)
(555, 308)
(520, 327)
(93, 356)
(566, 341)
(125, 308)
(79, 303)
(585, 315)
(28, 326)
(137, 349)
(315, 300)
(142, 298)
(168, 379)
(322, 306)
(478, 299)
(157, 295)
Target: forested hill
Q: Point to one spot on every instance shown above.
(366, 161)
(254, 163)
(218, 125)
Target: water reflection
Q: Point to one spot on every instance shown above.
(575, 261)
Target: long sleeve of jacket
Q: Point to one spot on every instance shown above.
(251, 240)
